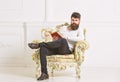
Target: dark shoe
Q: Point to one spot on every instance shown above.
(33, 45)
(43, 77)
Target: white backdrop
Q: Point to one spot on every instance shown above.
(100, 18)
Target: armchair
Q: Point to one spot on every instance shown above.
(61, 62)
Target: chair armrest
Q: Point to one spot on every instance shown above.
(80, 48)
(38, 41)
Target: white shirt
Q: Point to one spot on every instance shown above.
(72, 36)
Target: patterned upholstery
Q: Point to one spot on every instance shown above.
(61, 62)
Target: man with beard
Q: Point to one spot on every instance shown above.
(65, 45)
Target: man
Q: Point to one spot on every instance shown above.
(65, 45)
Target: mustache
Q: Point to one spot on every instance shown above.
(73, 24)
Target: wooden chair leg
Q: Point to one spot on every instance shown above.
(78, 71)
(37, 70)
(52, 72)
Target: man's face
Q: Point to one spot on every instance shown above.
(75, 23)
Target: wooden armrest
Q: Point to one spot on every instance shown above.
(83, 44)
(80, 48)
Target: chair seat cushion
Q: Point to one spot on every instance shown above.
(61, 58)
(66, 56)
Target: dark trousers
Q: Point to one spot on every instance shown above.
(59, 46)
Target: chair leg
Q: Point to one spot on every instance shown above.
(37, 70)
(78, 71)
(52, 72)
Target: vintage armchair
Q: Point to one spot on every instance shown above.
(61, 62)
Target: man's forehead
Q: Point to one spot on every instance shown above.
(73, 18)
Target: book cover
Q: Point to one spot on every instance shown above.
(56, 36)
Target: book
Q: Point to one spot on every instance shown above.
(56, 35)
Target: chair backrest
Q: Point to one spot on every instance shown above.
(46, 32)
(61, 25)
(84, 33)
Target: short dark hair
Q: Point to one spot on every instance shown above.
(76, 15)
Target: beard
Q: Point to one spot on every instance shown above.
(74, 26)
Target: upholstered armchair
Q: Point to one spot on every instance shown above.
(61, 62)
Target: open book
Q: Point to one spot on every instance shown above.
(56, 36)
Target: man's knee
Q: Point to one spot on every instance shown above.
(63, 40)
(41, 44)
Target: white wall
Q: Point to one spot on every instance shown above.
(22, 10)
(101, 18)
(104, 44)
(11, 44)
